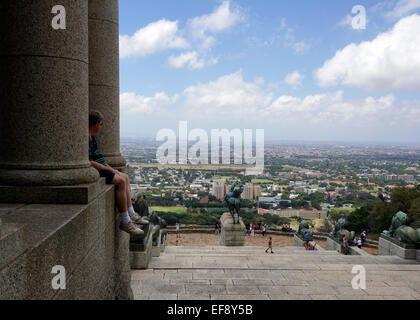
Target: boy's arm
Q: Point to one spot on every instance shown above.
(99, 166)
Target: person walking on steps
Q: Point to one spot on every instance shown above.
(270, 245)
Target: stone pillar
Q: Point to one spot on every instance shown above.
(44, 95)
(104, 76)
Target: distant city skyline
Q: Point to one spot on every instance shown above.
(298, 70)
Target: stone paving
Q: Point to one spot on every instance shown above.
(248, 273)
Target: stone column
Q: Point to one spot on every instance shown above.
(104, 76)
(44, 95)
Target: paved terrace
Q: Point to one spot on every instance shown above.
(248, 273)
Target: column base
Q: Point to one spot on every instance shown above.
(48, 177)
(78, 194)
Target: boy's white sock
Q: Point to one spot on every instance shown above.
(125, 217)
(131, 211)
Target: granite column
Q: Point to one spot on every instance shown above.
(104, 76)
(44, 94)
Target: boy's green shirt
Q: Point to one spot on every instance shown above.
(94, 153)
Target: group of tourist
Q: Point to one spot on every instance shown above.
(255, 227)
(359, 242)
(287, 228)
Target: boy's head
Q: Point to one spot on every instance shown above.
(96, 120)
(271, 238)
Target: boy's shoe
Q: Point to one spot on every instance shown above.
(135, 218)
(131, 229)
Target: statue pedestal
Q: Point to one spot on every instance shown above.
(391, 247)
(141, 249)
(233, 235)
(298, 241)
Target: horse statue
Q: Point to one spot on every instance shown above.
(233, 200)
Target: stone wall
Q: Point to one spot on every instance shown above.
(85, 239)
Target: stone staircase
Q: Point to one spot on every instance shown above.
(248, 273)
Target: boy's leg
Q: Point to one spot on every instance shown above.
(120, 194)
(121, 199)
(126, 179)
(134, 217)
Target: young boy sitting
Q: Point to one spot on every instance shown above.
(122, 182)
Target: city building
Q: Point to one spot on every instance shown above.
(219, 189)
(251, 192)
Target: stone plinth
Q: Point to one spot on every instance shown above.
(298, 241)
(387, 247)
(233, 235)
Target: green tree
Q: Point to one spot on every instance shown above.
(414, 214)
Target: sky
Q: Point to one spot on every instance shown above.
(301, 70)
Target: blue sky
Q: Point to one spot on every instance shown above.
(297, 69)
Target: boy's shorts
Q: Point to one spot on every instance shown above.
(108, 175)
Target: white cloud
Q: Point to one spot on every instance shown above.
(403, 7)
(389, 62)
(155, 37)
(300, 46)
(133, 103)
(328, 108)
(294, 79)
(229, 95)
(230, 100)
(191, 60)
(290, 41)
(223, 18)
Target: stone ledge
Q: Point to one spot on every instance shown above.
(79, 194)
